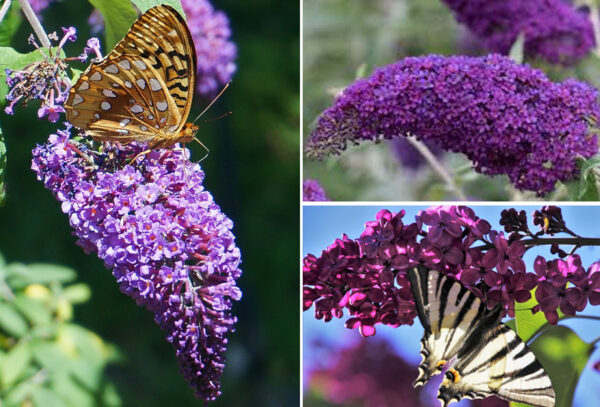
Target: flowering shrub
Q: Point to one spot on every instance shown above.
(366, 276)
(169, 245)
(553, 29)
(506, 118)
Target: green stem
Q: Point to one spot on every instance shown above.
(4, 9)
(35, 23)
(436, 166)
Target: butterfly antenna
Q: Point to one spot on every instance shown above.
(203, 146)
(213, 101)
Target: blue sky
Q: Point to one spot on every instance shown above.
(323, 224)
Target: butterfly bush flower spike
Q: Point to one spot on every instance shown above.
(168, 243)
(367, 276)
(506, 118)
(45, 80)
(553, 29)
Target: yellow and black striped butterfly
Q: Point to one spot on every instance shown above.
(142, 90)
(482, 356)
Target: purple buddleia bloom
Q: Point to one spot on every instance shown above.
(168, 244)
(553, 29)
(215, 51)
(505, 117)
(313, 191)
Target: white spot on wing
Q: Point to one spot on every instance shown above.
(105, 105)
(143, 128)
(172, 128)
(124, 122)
(140, 64)
(172, 33)
(161, 106)
(125, 64)
(112, 68)
(109, 93)
(84, 86)
(77, 99)
(150, 117)
(155, 84)
(96, 115)
(141, 83)
(123, 132)
(136, 108)
(96, 76)
(128, 84)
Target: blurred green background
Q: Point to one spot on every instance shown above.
(252, 171)
(347, 39)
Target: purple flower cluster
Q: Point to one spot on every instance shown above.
(368, 373)
(505, 117)
(45, 80)
(367, 276)
(215, 51)
(553, 29)
(169, 245)
(313, 191)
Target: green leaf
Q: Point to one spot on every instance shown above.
(77, 293)
(35, 311)
(72, 391)
(528, 324)
(43, 397)
(9, 58)
(118, 16)
(51, 357)
(588, 189)
(21, 275)
(517, 51)
(14, 364)
(10, 23)
(145, 5)
(12, 321)
(563, 355)
(2, 168)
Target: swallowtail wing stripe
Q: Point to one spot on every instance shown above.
(483, 356)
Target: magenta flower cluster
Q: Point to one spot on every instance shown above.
(313, 191)
(367, 276)
(215, 51)
(505, 117)
(45, 80)
(553, 29)
(168, 243)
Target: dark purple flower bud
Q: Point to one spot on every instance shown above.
(553, 29)
(506, 118)
(313, 191)
(168, 244)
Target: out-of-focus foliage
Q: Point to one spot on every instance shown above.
(45, 358)
(345, 40)
(252, 172)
